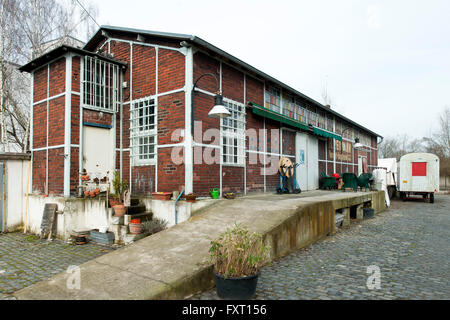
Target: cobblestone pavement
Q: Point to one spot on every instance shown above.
(26, 259)
(409, 242)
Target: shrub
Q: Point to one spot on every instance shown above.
(237, 252)
(155, 225)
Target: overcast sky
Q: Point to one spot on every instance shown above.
(386, 63)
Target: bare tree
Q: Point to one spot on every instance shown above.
(438, 142)
(28, 28)
(395, 147)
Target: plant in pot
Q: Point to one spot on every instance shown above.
(236, 256)
(120, 186)
(190, 197)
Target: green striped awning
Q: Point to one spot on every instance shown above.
(327, 134)
(264, 112)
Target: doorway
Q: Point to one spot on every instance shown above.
(98, 152)
(307, 155)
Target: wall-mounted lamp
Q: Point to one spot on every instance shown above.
(218, 111)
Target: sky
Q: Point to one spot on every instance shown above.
(385, 64)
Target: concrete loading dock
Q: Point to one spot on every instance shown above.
(174, 264)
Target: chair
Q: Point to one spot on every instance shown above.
(350, 181)
(327, 182)
(364, 180)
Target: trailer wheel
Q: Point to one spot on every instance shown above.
(403, 196)
(431, 197)
(391, 192)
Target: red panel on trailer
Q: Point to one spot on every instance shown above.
(419, 169)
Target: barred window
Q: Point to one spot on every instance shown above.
(143, 131)
(100, 84)
(232, 132)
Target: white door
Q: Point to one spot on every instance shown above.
(98, 152)
(313, 163)
(362, 164)
(307, 155)
(301, 144)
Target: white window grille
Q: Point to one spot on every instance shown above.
(232, 133)
(143, 131)
(100, 84)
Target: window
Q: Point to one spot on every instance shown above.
(232, 133)
(273, 99)
(143, 131)
(100, 84)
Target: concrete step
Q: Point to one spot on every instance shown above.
(137, 209)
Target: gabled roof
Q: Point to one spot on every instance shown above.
(100, 34)
(61, 50)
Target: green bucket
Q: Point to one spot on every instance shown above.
(214, 193)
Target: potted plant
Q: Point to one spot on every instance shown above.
(161, 195)
(191, 197)
(120, 186)
(236, 256)
(136, 227)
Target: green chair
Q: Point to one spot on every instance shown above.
(350, 181)
(364, 180)
(327, 182)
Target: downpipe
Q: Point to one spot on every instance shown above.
(176, 201)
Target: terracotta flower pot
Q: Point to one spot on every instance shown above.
(161, 195)
(191, 197)
(92, 194)
(119, 210)
(86, 193)
(113, 202)
(136, 228)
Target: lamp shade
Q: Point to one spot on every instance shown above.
(219, 110)
(357, 144)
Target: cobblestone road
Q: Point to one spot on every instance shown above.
(25, 259)
(410, 244)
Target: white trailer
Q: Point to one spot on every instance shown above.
(390, 164)
(418, 175)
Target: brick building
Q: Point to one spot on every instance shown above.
(124, 102)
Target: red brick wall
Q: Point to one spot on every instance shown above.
(39, 165)
(255, 90)
(75, 120)
(56, 171)
(55, 132)
(76, 75)
(232, 83)
(171, 65)
(40, 84)
(144, 71)
(56, 121)
(170, 175)
(40, 125)
(143, 180)
(94, 116)
(57, 77)
(74, 165)
(170, 116)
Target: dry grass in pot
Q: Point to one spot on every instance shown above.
(237, 252)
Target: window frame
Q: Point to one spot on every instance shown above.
(145, 133)
(94, 94)
(240, 154)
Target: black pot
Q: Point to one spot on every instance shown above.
(242, 288)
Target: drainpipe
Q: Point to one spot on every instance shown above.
(176, 201)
